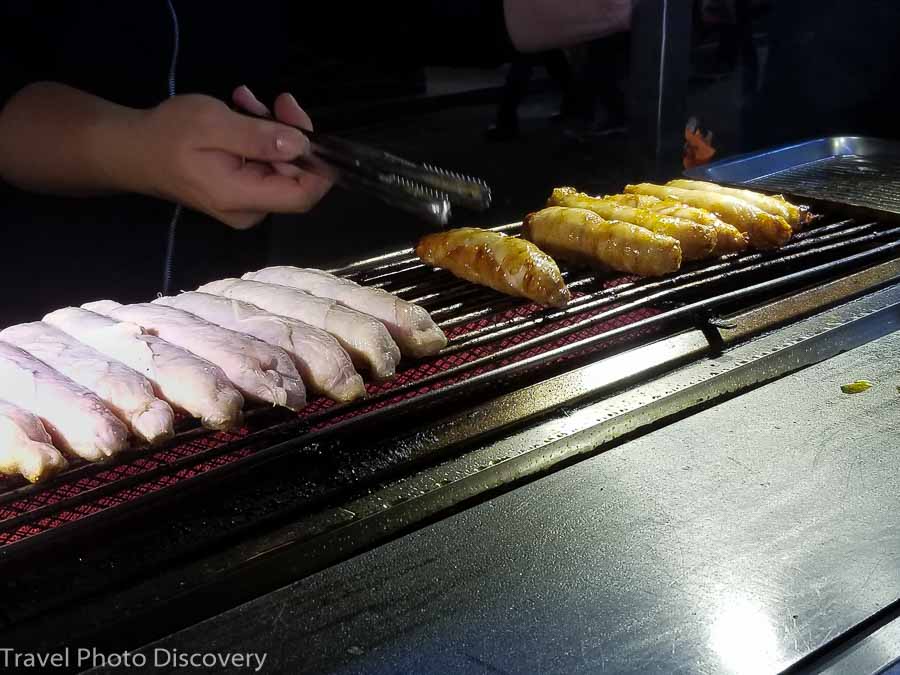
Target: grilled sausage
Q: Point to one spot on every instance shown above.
(763, 229)
(507, 264)
(796, 216)
(728, 238)
(697, 241)
(583, 236)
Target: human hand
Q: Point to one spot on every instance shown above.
(287, 110)
(198, 152)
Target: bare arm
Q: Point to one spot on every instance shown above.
(57, 139)
(190, 149)
(536, 25)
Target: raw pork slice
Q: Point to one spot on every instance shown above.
(364, 337)
(411, 326)
(260, 371)
(25, 445)
(78, 421)
(323, 364)
(188, 382)
(124, 391)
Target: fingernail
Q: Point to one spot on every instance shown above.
(291, 145)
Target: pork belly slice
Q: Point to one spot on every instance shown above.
(365, 338)
(78, 421)
(410, 325)
(321, 361)
(25, 446)
(189, 383)
(124, 391)
(261, 372)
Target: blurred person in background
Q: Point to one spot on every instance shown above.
(515, 90)
(589, 75)
(597, 101)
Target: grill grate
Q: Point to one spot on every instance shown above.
(870, 181)
(491, 336)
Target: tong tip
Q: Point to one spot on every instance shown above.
(464, 190)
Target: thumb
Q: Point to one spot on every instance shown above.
(252, 138)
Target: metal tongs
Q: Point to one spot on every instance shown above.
(421, 189)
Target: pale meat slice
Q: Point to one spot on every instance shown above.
(411, 326)
(124, 391)
(323, 364)
(25, 446)
(365, 338)
(261, 372)
(188, 382)
(78, 421)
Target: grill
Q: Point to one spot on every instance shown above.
(496, 344)
(850, 179)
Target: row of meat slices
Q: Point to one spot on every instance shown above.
(87, 380)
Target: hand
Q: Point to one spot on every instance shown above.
(198, 152)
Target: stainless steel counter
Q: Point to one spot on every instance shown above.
(739, 539)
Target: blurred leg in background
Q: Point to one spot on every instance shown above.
(601, 85)
(516, 88)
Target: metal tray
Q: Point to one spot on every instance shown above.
(854, 170)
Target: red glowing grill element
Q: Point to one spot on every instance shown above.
(154, 463)
(163, 468)
(81, 487)
(490, 335)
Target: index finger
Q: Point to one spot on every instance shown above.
(251, 137)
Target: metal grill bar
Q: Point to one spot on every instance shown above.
(632, 289)
(412, 263)
(491, 305)
(686, 311)
(510, 369)
(266, 436)
(656, 291)
(598, 301)
(670, 294)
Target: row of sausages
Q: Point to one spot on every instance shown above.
(648, 230)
